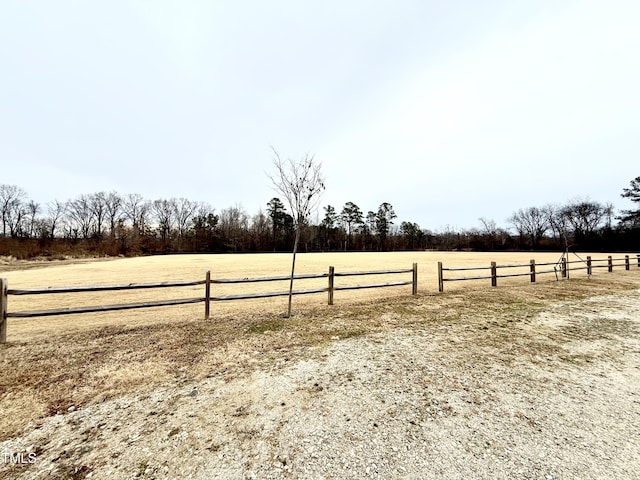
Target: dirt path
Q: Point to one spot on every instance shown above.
(547, 394)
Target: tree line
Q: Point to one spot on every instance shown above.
(110, 223)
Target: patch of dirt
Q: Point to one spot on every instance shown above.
(10, 264)
(535, 382)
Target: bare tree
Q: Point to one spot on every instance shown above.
(557, 222)
(136, 210)
(164, 213)
(16, 217)
(11, 199)
(586, 216)
(33, 208)
(301, 184)
(81, 216)
(113, 209)
(489, 230)
(260, 231)
(99, 209)
(55, 211)
(530, 222)
(184, 209)
(234, 225)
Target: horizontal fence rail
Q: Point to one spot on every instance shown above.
(100, 288)
(207, 298)
(562, 267)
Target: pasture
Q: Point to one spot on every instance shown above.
(133, 393)
(193, 267)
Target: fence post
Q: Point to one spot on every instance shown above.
(533, 270)
(494, 274)
(414, 286)
(441, 281)
(207, 295)
(563, 267)
(330, 289)
(3, 310)
(610, 262)
(589, 265)
(626, 262)
(638, 260)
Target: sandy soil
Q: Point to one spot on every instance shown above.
(539, 381)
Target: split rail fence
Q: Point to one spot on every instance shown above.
(563, 267)
(5, 292)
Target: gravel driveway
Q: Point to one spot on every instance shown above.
(555, 395)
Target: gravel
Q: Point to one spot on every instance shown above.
(551, 396)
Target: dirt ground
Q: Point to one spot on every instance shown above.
(524, 381)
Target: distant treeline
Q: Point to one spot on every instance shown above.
(109, 223)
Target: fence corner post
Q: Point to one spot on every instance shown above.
(3, 310)
(441, 280)
(207, 295)
(533, 270)
(331, 283)
(414, 285)
(610, 263)
(626, 262)
(494, 274)
(589, 265)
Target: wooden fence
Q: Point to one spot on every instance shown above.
(562, 267)
(207, 298)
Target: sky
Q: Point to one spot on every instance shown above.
(448, 110)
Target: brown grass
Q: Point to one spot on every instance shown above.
(193, 267)
(49, 365)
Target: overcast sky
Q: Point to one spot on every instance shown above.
(449, 110)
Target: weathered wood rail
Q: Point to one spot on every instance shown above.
(562, 267)
(207, 298)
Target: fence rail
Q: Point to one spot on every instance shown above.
(207, 298)
(564, 269)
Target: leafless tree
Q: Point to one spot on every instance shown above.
(184, 211)
(164, 212)
(113, 204)
(489, 230)
(301, 184)
(15, 219)
(136, 210)
(234, 225)
(55, 213)
(98, 205)
(11, 199)
(81, 217)
(32, 209)
(260, 230)
(530, 222)
(586, 216)
(202, 209)
(557, 222)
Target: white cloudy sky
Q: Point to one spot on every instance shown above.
(449, 110)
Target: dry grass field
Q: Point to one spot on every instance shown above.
(98, 395)
(193, 267)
